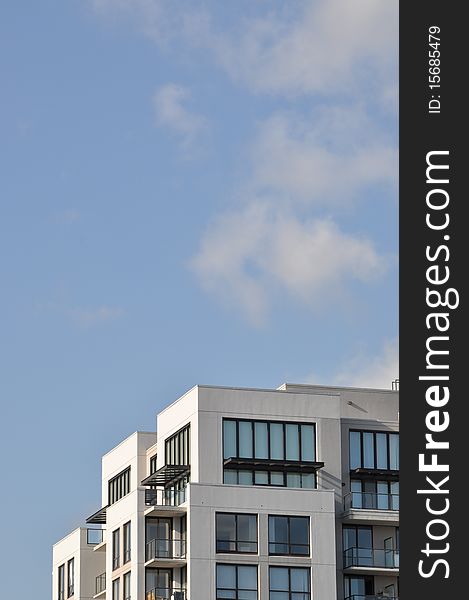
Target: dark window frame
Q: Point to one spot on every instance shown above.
(375, 448)
(113, 587)
(269, 423)
(290, 592)
(284, 474)
(71, 580)
(236, 541)
(126, 541)
(237, 589)
(289, 543)
(119, 486)
(61, 582)
(177, 447)
(116, 550)
(127, 577)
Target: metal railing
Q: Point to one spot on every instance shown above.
(94, 536)
(370, 500)
(159, 497)
(371, 597)
(100, 583)
(166, 594)
(371, 557)
(165, 548)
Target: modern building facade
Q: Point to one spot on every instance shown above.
(246, 494)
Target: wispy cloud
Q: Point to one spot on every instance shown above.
(88, 317)
(372, 371)
(246, 255)
(171, 112)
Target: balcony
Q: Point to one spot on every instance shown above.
(371, 508)
(165, 553)
(100, 585)
(162, 502)
(166, 594)
(94, 537)
(375, 559)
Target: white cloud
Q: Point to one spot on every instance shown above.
(87, 317)
(246, 255)
(171, 112)
(331, 156)
(374, 372)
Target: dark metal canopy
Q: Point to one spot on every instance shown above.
(167, 475)
(99, 517)
(388, 474)
(266, 464)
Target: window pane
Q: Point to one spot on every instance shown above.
(294, 480)
(356, 490)
(308, 450)
(226, 533)
(382, 499)
(276, 478)
(278, 535)
(394, 451)
(245, 477)
(293, 442)
(381, 451)
(247, 528)
(350, 537)
(395, 495)
(364, 537)
(276, 441)
(247, 578)
(261, 446)
(262, 477)
(299, 530)
(226, 576)
(308, 480)
(368, 450)
(229, 439)
(279, 579)
(245, 439)
(230, 477)
(299, 580)
(355, 450)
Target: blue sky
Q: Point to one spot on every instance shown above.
(191, 192)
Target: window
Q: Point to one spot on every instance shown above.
(236, 532)
(177, 448)
(115, 549)
(61, 582)
(127, 586)
(159, 542)
(374, 450)
(153, 462)
(126, 543)
(378, 495)
(251, 442)
(71, 577)
(289, 583)
(119, 486)
(250, 439)
(115, 589)
(289, 535)
(358, 546)
(357, 587)
(238, 582)
(158, 583)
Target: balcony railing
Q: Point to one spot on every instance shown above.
(166, 594)
(100, 583)
(159, 497)
(165, 548)
(368, 500)
(372, 597)
(371, 557)
(94, 536)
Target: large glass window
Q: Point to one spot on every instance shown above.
(358, 546)
(238, 582)
(159, 542)
(177, 448)
(115, 589)
(358, 587)
(127, 586)
(115, 549)
(236, 532)
(289, 583)
(61, 582)
(126, 543)
(261, 438)
(374, 450)
(379, 495)
(245, 439)
(158, 583)
(119, 486)
(71, 577)
(289, 535)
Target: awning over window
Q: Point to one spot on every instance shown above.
(388, 474)
(99, 517)
(167, 475)
(265, 464)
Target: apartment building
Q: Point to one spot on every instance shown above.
(246, 494)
